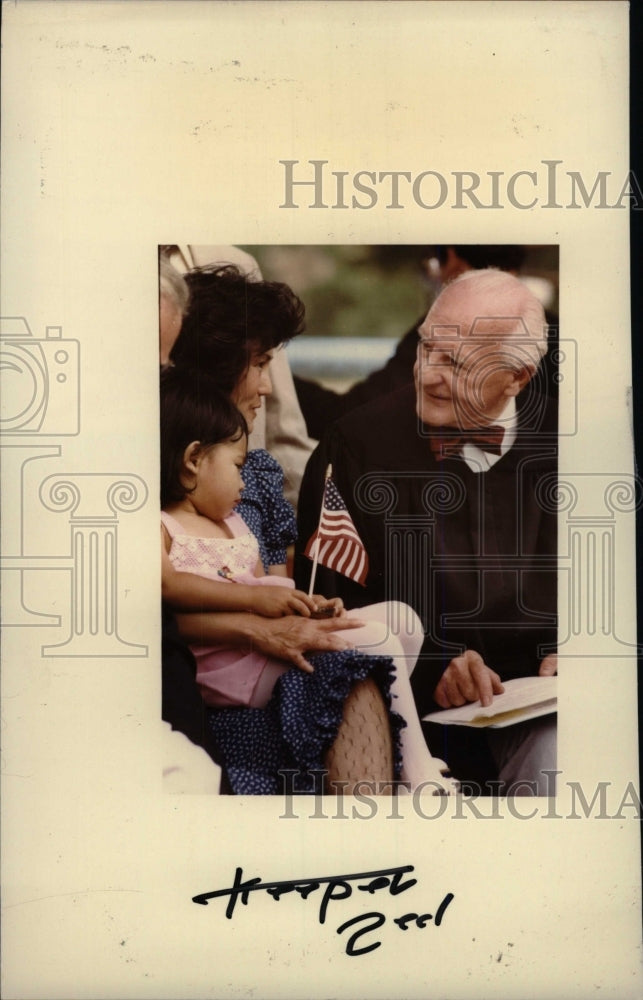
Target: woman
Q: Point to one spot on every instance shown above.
(232, 329)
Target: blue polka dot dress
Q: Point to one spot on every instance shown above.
(281, 747)
(264, 508)
(267, 751)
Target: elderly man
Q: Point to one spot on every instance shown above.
(449, 483)
(321, 405)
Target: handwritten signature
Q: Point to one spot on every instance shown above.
(336, 888)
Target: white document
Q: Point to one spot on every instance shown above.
(523, 698)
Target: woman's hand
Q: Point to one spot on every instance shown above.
(274, 602)
(285, 638)
(289, 638)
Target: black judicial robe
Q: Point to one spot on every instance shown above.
(475, 554)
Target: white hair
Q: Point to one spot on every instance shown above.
(511, 300)
(173, 285)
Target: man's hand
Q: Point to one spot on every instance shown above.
(549, 666)
(289, 638)
(467, 679)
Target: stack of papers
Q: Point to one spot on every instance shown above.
(523, 698)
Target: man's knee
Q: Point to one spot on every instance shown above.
(529, 761)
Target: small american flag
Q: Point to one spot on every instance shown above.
(336, 544)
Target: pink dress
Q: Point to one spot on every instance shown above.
(226, 676)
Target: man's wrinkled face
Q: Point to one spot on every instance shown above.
(462, 374)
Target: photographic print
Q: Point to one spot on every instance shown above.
(382, 553)
(351, 159)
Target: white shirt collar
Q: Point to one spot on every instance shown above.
(479, 460)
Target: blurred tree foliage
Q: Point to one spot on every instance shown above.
(352, 291)
(367, 291)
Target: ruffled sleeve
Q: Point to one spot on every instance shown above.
(264, 509)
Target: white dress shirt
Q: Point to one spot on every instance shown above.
(479, 460)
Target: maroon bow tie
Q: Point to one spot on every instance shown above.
(448, 441)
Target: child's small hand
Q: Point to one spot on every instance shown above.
(273, 602)
(328, 607)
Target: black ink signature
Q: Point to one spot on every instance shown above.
(336, 888)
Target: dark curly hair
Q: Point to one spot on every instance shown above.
(193, 408)
(230, 316)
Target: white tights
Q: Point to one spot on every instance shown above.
(395, 630)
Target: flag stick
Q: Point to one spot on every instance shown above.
(319, 527)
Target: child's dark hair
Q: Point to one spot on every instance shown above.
(193, 408)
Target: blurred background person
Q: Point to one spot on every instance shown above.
(173, 303)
